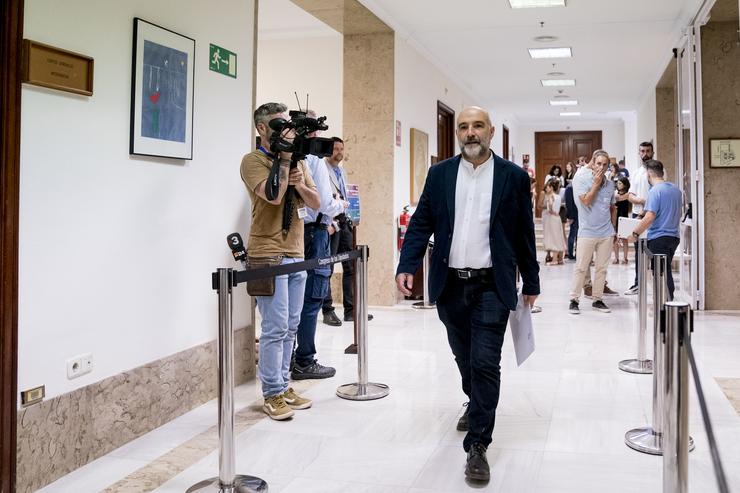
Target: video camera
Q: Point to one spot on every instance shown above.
(302, 145)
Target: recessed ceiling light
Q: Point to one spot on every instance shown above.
(570, 113)
(563, 102)
(550, 52)
(558, 82)
(556, 74)
(545, 39)
(561, 96)
(527, 4)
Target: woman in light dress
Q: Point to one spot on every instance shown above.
(552, 226)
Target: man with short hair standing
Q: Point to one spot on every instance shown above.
(267, 240)
(477, 206)
(316, 245)
(637, 196)
(662, 217)
(594, 198)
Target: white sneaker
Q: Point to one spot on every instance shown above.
(633, 290)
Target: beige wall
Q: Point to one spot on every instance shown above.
(721, 94)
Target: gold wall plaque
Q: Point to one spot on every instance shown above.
(51, 67)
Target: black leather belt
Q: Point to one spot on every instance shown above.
(473, 273)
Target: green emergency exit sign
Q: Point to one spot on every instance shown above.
(222, 61)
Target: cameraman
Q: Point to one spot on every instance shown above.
(342, 239)
(316, 245)
(281, 311)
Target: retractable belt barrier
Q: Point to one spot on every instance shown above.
(649, 439)
(641, 364)
(675, 336)
(425, 304)
(223, 280)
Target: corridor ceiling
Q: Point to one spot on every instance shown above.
(620, 48)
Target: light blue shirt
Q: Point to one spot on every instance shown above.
(594, 221)
(330, 207)
(665, 201)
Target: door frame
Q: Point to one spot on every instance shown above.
(443, 109)
(11, 37)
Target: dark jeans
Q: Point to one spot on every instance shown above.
(341, 241)
(476, 319)
(316, 244)
(572, 238)
(665, 245)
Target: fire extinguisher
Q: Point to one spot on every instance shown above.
(403, 224)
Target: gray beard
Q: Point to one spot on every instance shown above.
(482, 151)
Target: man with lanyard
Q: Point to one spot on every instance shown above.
(341, 239)
(268, 242)
(316, 245)
(638, 197)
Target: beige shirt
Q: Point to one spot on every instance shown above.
(266, 235)
(471, 244)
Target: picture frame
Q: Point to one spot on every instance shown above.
(419, 164)
(724, 153)
(162, 78)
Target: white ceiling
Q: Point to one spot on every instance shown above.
(620, 47)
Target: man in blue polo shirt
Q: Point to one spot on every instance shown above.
(662, 217)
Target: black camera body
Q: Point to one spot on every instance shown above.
(302, 145)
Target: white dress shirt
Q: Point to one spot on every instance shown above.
(330, 206)
(640, 187)
(471, 246)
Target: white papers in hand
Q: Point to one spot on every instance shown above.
(521, 331)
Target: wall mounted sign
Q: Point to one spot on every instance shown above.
(162, 92)
(398, 133)
(724, 153)
(51, 67)
(222, 61)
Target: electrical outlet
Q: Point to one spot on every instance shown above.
(79, 365)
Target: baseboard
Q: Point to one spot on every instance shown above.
(59, 435)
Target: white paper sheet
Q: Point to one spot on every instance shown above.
(627, 225)
(522, 331)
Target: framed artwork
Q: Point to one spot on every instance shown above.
(419, 145)
(724, 153)
(163, 71)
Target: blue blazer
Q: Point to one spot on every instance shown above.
(511, 233)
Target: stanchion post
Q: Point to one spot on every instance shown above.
(362, 390)
(642, 364)
(676, 439)
(425, 304)
(227, 481)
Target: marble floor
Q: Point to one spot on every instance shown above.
(560, 426)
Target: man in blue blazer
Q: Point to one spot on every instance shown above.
(478, 208)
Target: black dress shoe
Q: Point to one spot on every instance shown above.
(351, 317)
(462, 423)
(477, 467)
(331, 318)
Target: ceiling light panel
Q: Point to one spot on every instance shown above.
(530, 4)
(570, 113)
(563, 102)
(550, 52)
(558, 82)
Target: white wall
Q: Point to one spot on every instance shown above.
(317, 73)
(647, 123)
(612, 136)
(116, 251)
(418, 87)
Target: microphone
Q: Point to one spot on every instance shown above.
(234, 240)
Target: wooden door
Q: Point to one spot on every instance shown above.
(505, 150)
(11, 34)
(445, 131)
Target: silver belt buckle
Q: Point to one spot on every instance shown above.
(464, 274)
